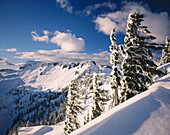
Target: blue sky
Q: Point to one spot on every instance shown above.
(71, 30)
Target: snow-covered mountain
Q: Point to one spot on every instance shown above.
(36, 95)
(145, 114)
(38, 90)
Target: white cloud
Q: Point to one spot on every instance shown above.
(65, 4)
(46, 32)
(89, 9)
(5, 61)
(11, 50)
(36, 37)
(158, 23)
(68, 42)
(63, 56)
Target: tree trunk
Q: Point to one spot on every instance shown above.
(116, 97)
(165, 70)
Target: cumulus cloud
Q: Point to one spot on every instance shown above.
(63, 56)
(5, 61)
(158, 23)
(68, 41)
(65, 4)
(11, 50)
(89, 9)
(36, 37)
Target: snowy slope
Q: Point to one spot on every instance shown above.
(42, 130)
(43, 76)
(9, 79)
(145, 114)
(38, 81)
(53, 76)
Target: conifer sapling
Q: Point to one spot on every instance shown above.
(116, 72)
(72, 109)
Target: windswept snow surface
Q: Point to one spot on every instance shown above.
(42, 130)
(145, 114)
(41, 76)
(47, 76)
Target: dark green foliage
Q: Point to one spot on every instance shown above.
(86, 118)
(116, 72)
(99, 98)
(138, 65)
(72, 109)
(37, 107)
(7, 132)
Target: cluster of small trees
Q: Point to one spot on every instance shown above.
(39, 108)
(73, 108)
(128, 78)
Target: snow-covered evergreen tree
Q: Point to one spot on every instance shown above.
(166, 53)
(116, 72)
(62, 112)
(72, 109)
(99, 98)
(138, 65)
(86, 117)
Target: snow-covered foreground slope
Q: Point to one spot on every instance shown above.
(42, 130)
(145, 114)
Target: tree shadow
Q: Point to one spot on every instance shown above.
(128, 120)
(43, 130)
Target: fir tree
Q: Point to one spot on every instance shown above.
(72, 109)
(116, 72)
(62, 112)
(99, 98)
(166, 54)
(138, 65)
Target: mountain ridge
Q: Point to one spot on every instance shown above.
(35, 83)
